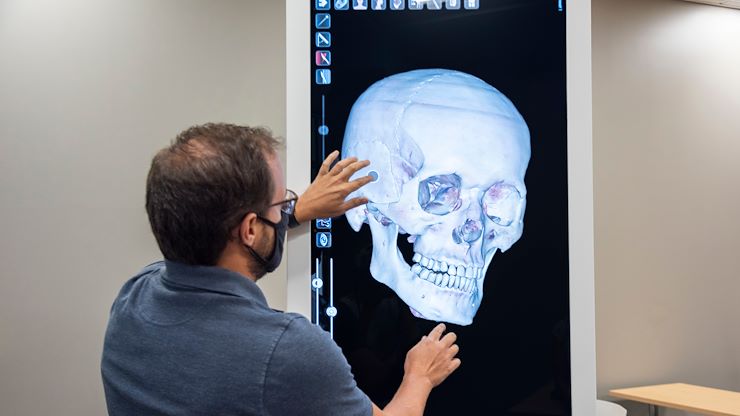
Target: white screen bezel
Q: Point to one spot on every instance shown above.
(580, 184)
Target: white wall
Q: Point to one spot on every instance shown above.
(667, 193)
(89, 91)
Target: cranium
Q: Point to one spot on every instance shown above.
(449, 153)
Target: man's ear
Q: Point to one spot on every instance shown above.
(248, 229)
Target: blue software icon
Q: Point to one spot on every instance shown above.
(359, 4)
(323, 20)
(453, 4)
(341, 4)
(323, 39)
(323, 58)
(471, 4)
(323, 223)
(323, 240)
(377, 4)
(323, 5)
(398, 4)
(323, 76)
(415, 5)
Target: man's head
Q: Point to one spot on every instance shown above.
(211, 196)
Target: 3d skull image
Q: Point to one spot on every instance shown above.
(450, 153)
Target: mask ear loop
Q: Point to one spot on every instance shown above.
(253, 252)
(256, 255)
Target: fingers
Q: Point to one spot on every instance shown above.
(352, 168)
(354, 202)
(327, 162)
(453, 350)
(339, 167)
(359, 183)
(449, 339)
(454, 364)
(436, 333)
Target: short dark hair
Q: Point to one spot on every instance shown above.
(200, 187)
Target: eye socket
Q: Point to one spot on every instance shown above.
(440, 194)
(500, 203)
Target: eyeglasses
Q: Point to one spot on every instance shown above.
(287, 205)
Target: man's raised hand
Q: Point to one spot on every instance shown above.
(326, 195)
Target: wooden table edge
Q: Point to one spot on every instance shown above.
(617, 393)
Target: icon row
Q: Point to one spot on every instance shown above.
(323, 238)
(323, 40)
(397, 4)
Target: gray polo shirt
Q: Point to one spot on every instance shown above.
(191, 340)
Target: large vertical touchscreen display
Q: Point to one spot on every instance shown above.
(460, 107)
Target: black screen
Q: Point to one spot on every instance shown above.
(515, 352)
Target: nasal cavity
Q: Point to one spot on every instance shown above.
(470, 231)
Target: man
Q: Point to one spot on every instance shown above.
(193, 335)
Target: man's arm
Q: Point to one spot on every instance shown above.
(427, 365)
(308, 375)
(410, 399)
(325, 197)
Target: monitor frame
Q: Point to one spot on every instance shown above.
(580, 184)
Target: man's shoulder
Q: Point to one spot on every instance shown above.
(151, 270)
(306, 342)
(308, 374)
(300, 329)
(297, 324)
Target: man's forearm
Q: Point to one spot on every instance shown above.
(410, 399)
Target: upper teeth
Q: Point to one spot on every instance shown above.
(446, 275)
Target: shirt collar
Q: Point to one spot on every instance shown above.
(213, 279)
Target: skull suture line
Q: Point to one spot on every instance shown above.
(450, 153)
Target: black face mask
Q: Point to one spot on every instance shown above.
(270, 264)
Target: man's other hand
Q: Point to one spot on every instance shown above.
(433, 358)
(326, 195)
(427, 365)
